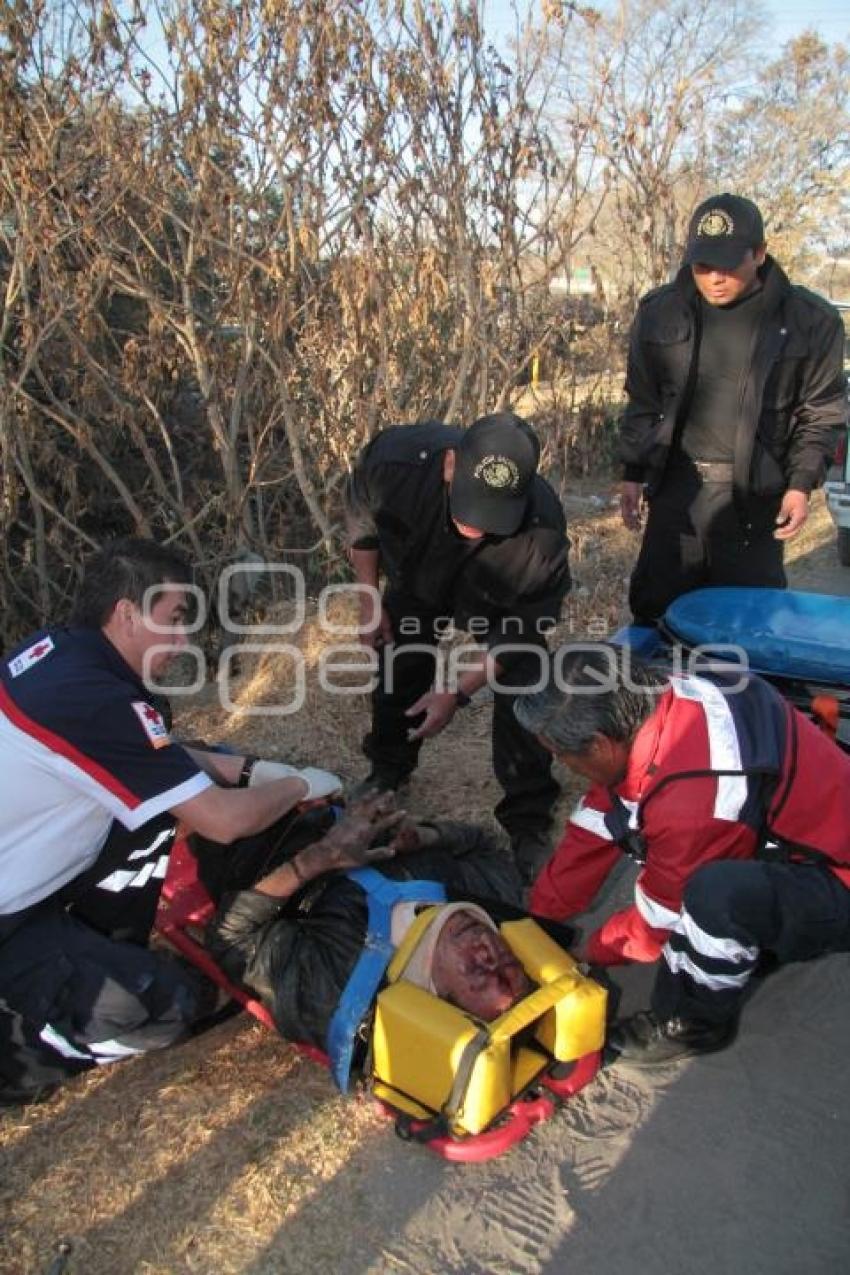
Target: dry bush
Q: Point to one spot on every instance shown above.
(233, 249)
(237, 240)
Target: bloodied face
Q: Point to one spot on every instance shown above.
(473, 967)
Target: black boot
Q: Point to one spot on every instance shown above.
(378, 780)
(645, 1041)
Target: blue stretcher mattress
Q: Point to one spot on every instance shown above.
(785, 633)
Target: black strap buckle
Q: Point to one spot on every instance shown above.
(630, 840)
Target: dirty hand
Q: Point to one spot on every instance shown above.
(439, 708)
(410, 837)
(631, 499)
(793, 512)
(351, 842)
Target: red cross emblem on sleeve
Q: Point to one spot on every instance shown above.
(32, 655)
(152, 723)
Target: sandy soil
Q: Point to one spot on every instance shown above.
(233, 1154)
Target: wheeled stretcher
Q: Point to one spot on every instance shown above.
(470, 1090)
(798, 641)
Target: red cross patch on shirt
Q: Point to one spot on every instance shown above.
(152, 723)
(30, 656)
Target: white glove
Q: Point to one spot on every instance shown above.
(320, 783)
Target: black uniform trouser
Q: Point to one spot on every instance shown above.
(735, 910)
(695, 536)
(521, 765)
(77, 985)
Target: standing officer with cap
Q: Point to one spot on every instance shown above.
(736, 386)
(467, 533)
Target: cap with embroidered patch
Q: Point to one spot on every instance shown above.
(495, 463)
(722, 230)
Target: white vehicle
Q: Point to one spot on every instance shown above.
(837, 485)
(838, 499)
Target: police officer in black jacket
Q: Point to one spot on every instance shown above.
(735, 388)
(467, 534)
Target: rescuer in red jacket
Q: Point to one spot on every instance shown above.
(736, 807)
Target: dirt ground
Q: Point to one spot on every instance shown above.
(234, 1154)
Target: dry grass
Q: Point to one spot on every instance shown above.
(200, 1159)
(187, 1160)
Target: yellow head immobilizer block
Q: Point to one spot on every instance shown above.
(419, 1040)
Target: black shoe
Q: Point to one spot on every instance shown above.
(531, 851)
(644, 1041)
(215, 1005)
(376, 781)
(19, 1096)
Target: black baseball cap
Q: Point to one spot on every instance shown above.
(722, 230)
(495, 462)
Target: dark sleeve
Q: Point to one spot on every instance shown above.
(523, 592)
(643, 410)
(362, 499)
(468, 860)
(475, 867)
(538, 606)
(822, 406)
(238, 934)
(296, 956)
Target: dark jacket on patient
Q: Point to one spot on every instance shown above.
(297, 955)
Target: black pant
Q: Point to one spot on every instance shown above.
(733, 912)
(77, 985)
(521, 765)
(71, 998)
(695, 536)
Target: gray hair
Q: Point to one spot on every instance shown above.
(592, 689)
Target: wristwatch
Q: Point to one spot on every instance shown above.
(462, 699)
(245, 773)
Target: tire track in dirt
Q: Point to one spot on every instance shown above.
(508, 1227)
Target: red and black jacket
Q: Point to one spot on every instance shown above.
(714, 773)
